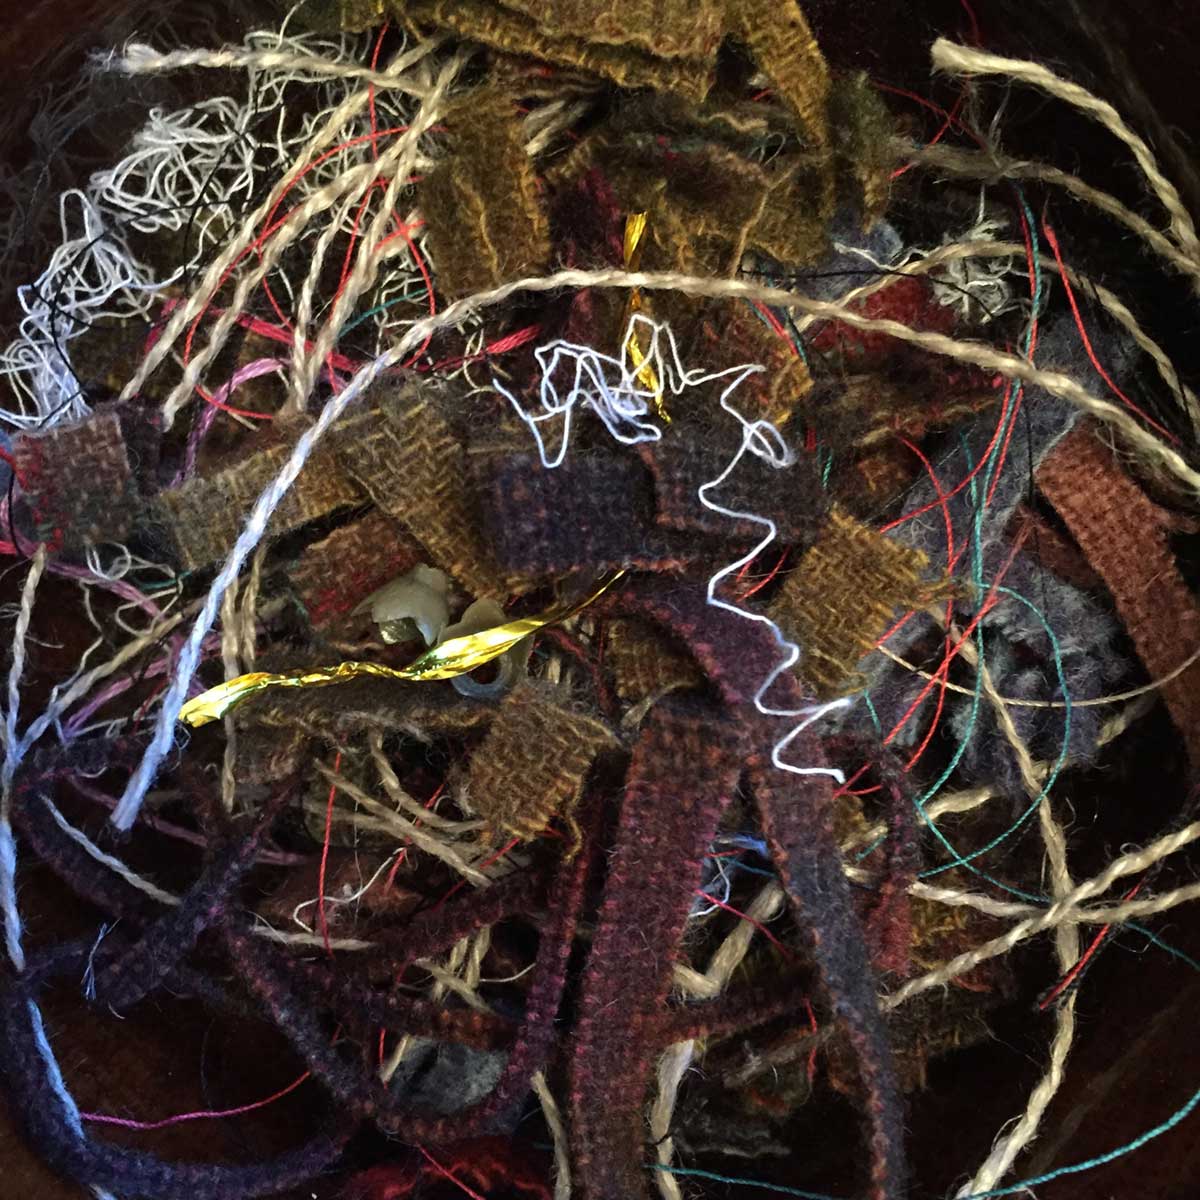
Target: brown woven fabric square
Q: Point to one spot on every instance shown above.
(791, 497)
(645, 664)
(842, 596)
(533, 762)
(593, 513)
(670, 46)
(411, 461)
(483, 219)
(78, 482)
(207, 515)
(334, 574)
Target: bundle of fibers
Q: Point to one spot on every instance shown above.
(602, 604)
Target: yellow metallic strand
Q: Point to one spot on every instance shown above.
(635, 230)
(454, 657)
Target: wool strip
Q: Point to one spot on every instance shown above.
(411, 461)
(593, 513)
(205, 517)
(796, 817)
(1124, 536)
(79, 482)
(793, 498)
(684, 771)
(334, 574)
(484, 222)
(669, 48)
(644, 663)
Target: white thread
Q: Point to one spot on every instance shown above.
(624, 405)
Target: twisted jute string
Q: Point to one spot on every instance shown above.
(994, 167)
(967, 61)
(367, 263)
(345, 113)
(1009, 1146)
(1112, 304)
(139, 59)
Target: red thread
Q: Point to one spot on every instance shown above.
(1085, 958)
(437, 1166)
(337, 762)
(210, 1115)
(757, 924)
(1087, 341)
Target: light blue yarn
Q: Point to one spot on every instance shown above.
(54, 1075)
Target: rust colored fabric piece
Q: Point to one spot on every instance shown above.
(684, 771)
(838, 602)
(334, 574)
(411, 461)
(1124, 536)
(532, 765)
(670, 46)
(206, 516)
(483, 217)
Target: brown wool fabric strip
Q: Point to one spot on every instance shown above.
(684, 770)
(703, 219)
(782, 43)
(1124, 537)
(792, 497)
(840, 599)
(206, 515)
(483, 219)
(79, 482)
(797, 821)
(1051, 549)
(411, 461)
(418, 710)
(667, 47)
(593, 513)
(793, 226)
(862, 131)
(533, 762)
(644, 663)
(334, 574)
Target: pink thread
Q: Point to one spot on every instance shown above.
(211, 1115)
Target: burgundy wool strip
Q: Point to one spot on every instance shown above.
(684, 771)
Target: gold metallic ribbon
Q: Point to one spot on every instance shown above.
(454, 657)
(635, 230)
